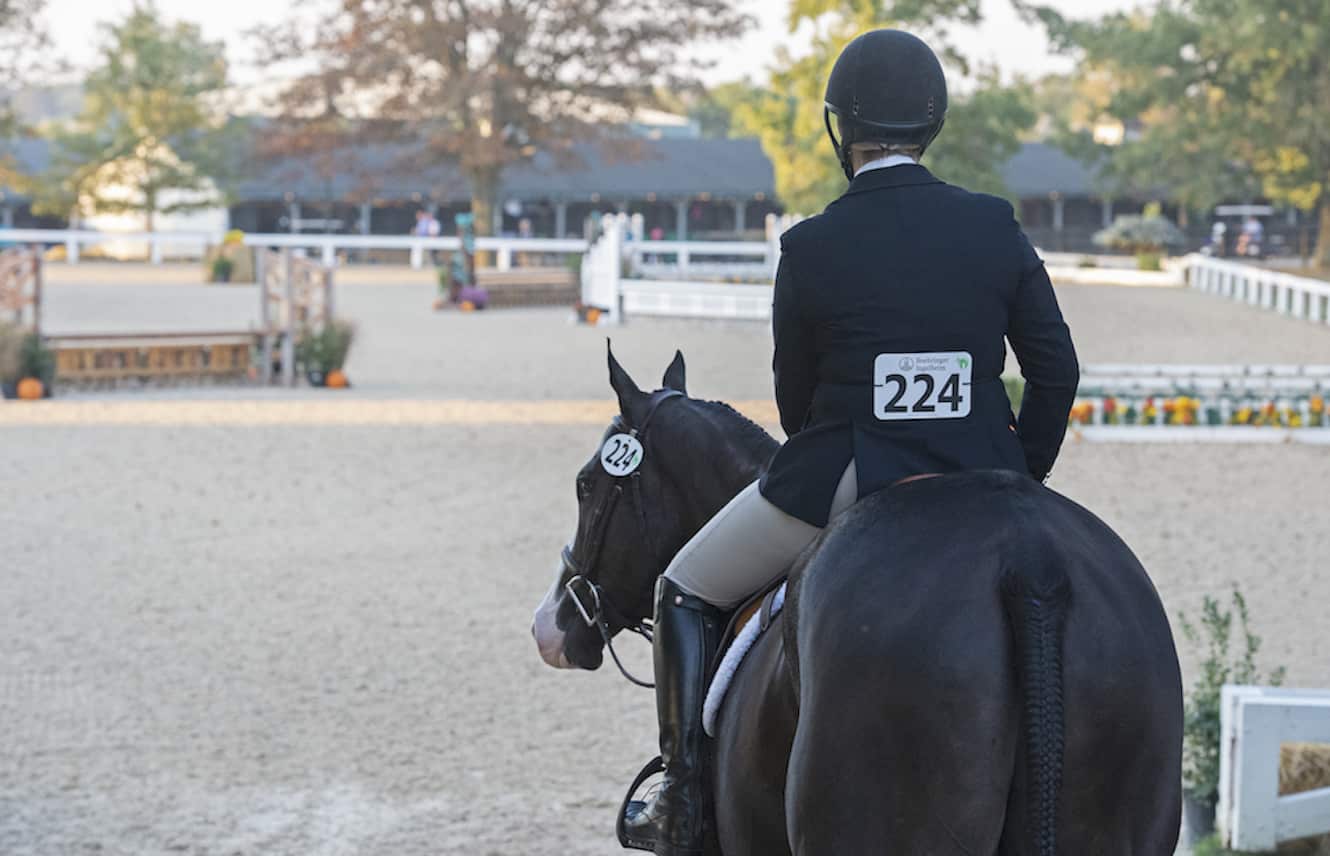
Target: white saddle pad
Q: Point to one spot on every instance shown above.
(729, 666)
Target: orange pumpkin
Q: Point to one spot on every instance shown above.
(30, 389)
(468, 306)
(592, 316)
(336, 379)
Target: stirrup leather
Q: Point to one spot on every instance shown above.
(654, 766)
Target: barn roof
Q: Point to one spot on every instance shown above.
(671, 168)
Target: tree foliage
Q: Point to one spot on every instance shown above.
(150, 136)
(23, 39)
(983, 125)
(1229, 96)
(482, 83)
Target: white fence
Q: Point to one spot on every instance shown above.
(1255, 721)
(605, 286)
(194, 245)
(1285, 293)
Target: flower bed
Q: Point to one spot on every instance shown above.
(1298, 411)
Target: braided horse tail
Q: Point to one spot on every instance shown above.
(1036, 605)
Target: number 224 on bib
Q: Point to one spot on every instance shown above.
(922, 386)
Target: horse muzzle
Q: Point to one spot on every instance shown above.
(549, 638)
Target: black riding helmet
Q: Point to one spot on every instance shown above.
(886, 87)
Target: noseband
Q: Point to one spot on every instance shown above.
(599, 607)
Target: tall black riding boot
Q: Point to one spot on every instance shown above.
(687, 631)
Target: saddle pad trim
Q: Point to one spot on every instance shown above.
(729, 666)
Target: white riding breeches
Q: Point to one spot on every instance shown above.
(748, 545)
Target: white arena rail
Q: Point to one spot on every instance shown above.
(1298, 296)
(195, 244)
(1251, 814)
(604, 285)
(686, 299)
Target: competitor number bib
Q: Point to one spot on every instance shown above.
(922, 386)
(621, 455)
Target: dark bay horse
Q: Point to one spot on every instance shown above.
(966, 664)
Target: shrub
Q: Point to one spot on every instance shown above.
(325, 350)
(1201, 734)
(221, 269)
(36, 360)
(1143, 233)
(1015, 387)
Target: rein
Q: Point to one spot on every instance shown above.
(601, 607)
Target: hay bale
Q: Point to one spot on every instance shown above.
(1305, 767)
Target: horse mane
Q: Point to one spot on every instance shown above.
(743, 431)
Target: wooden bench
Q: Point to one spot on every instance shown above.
(530, 286)
(99, 359)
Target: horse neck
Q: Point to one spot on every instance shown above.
(730, 452)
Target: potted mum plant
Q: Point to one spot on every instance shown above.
(1222, 664)
(322, 352)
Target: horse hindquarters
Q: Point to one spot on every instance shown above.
(908, 716)
(1120, 792)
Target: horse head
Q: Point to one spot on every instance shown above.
(663, 466)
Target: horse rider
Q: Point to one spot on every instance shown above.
(889, 314)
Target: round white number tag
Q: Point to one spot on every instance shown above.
(621, 454)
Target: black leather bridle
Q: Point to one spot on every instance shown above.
(599, 611)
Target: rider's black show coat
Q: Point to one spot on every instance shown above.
(904, 263)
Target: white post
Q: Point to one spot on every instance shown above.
(289, 322)
(72, 250)
(154, 248)
(504, 258)
(613, 237)
(329, 253)
(265, 314)
(417, 255)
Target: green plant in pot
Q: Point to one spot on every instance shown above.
(321, 352)
(1148, 236)
(37, 360)
(222, 267)
(1222, 663)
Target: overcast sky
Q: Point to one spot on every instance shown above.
(1003, 40)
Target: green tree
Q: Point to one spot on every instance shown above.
(984, 125)
(484, 84)
(1229, 97)
(713, 108)
(150, 137)
(23, 39)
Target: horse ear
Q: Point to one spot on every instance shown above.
(623, 385)
(674, 375)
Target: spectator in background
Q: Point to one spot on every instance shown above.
(427, 226)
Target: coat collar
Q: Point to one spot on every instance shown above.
(893, 176)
